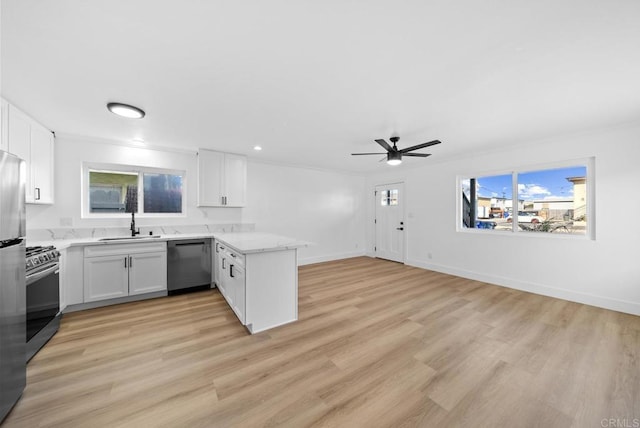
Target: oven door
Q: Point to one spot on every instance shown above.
(43, 298)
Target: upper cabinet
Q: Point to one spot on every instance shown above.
(222, 179)
(32, 142)
(4, 110)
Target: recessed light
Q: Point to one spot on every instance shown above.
(138, 141)
(126, 110)
(257, 148)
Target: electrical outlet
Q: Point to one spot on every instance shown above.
(66, 221)
(429, 256)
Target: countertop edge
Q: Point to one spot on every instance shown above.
(228, 238)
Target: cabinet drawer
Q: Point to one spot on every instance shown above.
(235, 257)
(115, 249)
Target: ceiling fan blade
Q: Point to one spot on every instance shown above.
(420, 146)
(383, 159)
(421, 155)
(359, 154)
(384, 144)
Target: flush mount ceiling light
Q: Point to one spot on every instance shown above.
(257, 148)
(126, 110)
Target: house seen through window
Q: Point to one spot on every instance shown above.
(139, 191)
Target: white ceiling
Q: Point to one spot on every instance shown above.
(313, 81)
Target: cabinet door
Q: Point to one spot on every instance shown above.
(210, 178)
(106, 277)
(216, 263)
(147, 272)
(19, 134)
(235, 180)
(4, 125)
(236, 282)
(225, 286)
(42, 164)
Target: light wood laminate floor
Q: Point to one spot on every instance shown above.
(378, 344)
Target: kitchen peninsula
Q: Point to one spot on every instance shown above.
(255, 272)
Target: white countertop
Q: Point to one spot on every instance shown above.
(243, 242)
(255, 242)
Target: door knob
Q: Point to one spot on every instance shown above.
(399, 228)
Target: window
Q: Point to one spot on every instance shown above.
(389, 197)
(549, 200)
(493, 201)
(108, 191)
(553, 200)
(162, 193)
(116, 190)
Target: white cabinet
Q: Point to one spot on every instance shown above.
(106, 277)
(261, 288)
(222, 179)
(4, 125)
(231, 281)
(217, 263)
(112, 271)
(32, 142)
(237, 284)
(42, 164)
(71, 277)
(235, 180)
(147, 272)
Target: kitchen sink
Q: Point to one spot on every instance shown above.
(128, 238)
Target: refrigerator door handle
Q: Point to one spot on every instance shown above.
(11, 242)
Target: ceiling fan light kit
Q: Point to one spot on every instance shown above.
(394, 155)
(394, 158)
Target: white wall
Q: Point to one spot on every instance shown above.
(603, 272)
(71, 152)
(320, 206)
(323, 207)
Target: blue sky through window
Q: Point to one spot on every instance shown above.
(550, 184)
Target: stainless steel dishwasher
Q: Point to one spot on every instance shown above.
(188, 265)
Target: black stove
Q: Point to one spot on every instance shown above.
(43, 296)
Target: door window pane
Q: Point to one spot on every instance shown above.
(389, 197)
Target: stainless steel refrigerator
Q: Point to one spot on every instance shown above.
(12, 282)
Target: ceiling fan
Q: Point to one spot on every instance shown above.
(394, 155)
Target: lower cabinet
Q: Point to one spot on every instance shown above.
(261, 288)
(106, 277)
(217, 265)
(231, 280)
(237, 285)
(112, 271)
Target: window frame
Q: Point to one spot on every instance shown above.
(87, 167)
(588, 163)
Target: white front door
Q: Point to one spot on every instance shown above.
(389, 199)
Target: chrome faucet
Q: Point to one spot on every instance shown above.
(133, 225)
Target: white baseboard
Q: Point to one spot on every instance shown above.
(329, 258)
(545, 290)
